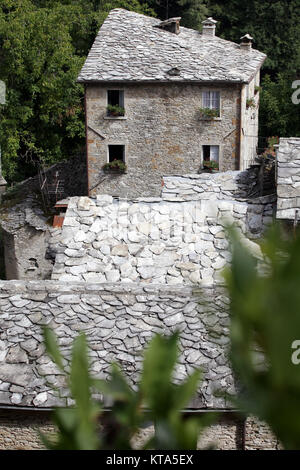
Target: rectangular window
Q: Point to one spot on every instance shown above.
(116, 152)
(211, 100)
(115, 103)
(211, 153)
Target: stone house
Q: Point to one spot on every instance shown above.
(163, 98)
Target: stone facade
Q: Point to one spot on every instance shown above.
(20, 430)
(288, 179)
(162, 132)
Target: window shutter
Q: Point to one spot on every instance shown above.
(215, 99)
(214, 153)
(121, 98)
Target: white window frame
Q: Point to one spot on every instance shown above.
(119, 90)
(124, 152)
(209, 103)
(124, 104)
(212, 145)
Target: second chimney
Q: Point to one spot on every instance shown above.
(209, 27)
(172, 25)
(246, 42)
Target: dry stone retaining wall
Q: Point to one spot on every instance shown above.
(118, 320)
(176, 239)
(288, 178)
(19, 430)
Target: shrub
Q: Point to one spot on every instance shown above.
(114, 110)
(115, 165)
(208, 113)
(265, 333)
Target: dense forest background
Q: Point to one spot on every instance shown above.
(44, 43)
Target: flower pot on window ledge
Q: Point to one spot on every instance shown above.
(115, 111)
(116, 167)
(210, 167)
(250, 103)
(208, 114)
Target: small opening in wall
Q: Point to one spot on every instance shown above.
(115, 103)
(116, 152)
(115, 97)
(206, 153)
(211, 153)
(211, 100)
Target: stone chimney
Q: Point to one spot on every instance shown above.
(209, 27)
(172, 25)
(246, 42)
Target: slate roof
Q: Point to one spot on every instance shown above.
(130, 47)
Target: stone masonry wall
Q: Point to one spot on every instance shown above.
(176, 239)
(249, 123)
(288, 178)
(162, 133)
(29, 241)
(19, 430)
(118, 319)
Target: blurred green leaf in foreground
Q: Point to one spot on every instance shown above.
(265, 328)
(86, 426)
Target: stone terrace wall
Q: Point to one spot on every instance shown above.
(168, 240)
(118, 320)
(208, 186)
(288, 178)
(19, 430)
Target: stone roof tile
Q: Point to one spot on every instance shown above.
(130, 47)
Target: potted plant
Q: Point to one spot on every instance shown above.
(116, 166)
(211, 165)
(270, 151)
(115, 110)
(257, 89)
(209, 113)
(250, 103)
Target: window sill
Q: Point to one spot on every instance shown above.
(115, 118)
(210, 119)
(114, 172)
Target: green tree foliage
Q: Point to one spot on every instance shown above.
(274, 26)
(265, 322)
(278, 114)
(43, 46)
(78, 427)
(192, 12)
